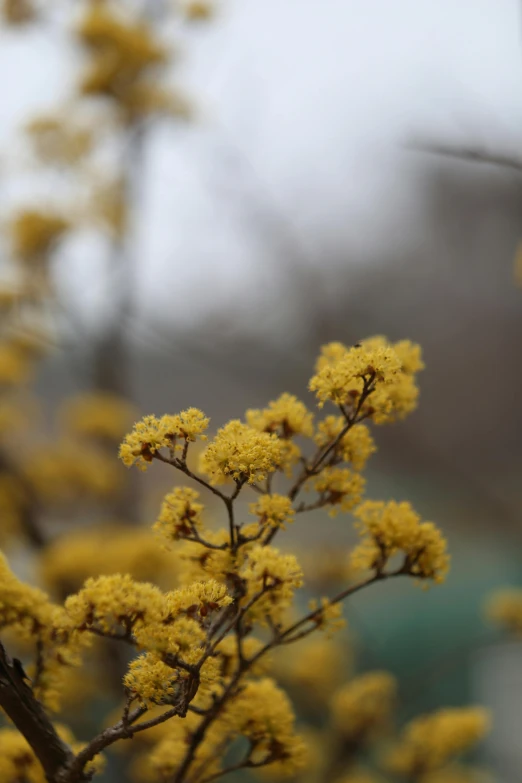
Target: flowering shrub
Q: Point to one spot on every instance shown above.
(202, 646)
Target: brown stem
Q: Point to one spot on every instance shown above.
(228, 500)
(124, 729)
(31, 720)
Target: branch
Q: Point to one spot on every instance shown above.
(31, 720)
(228, 500)
(470, 154)
(124, 729)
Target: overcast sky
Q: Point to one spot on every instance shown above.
(305, 107)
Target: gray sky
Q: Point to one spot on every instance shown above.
(304, 109)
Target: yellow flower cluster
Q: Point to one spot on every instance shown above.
(274, 577)
(263, 714)
(12, 500)
(316, 671)
(431, 741)
(242, 453)
(62, 472)
(285, 416)
(152, 434)
(22, 606)
(390, 528)
(339, 488)
(18, 762)
(75, 556)
(356, 447)
(29, 613)
(108, 206)
(229, 658)
(363, 707)
(17, 759)
(165, 623)
(99, 415)
(153, 682)
(504, 608)
(330, 618)
(198, 10)
(273, 510)
(373, 379)
(58, 139)
(34, 233)
(14, 365)
(123, 52)
(112, 602)
(180, 514)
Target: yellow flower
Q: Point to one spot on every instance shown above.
(99, 415)
(109, 602)
(152, 681)
(430, 741)
(152, 434)
(273, 510)
(356, 447)
(504, 607)
(14, 365)
(198, 10)
(341, 372)
(62, 472)
(262, 713)
(389, 528)
(339, 488)
(35, 232)
(180, 514)
(57, 139)
(330, 618)
(76, 555)
(272, 576)
(362, 708)
(122, 53)
(242, 453)
(383, 371)
(286, 416)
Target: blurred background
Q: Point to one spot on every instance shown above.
(323, 170)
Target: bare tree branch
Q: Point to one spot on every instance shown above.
(466, 153)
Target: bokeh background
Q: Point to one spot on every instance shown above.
(347, 169)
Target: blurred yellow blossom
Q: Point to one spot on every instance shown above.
(430, 741)
(110, 548)
(504, 607)
(356, 447)
(58, 139)
(273, 510)
(339, 488)
(389, 528)
(363, 707)
(286, 416)
(99, 415)
(329, 618)
(35, 232)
